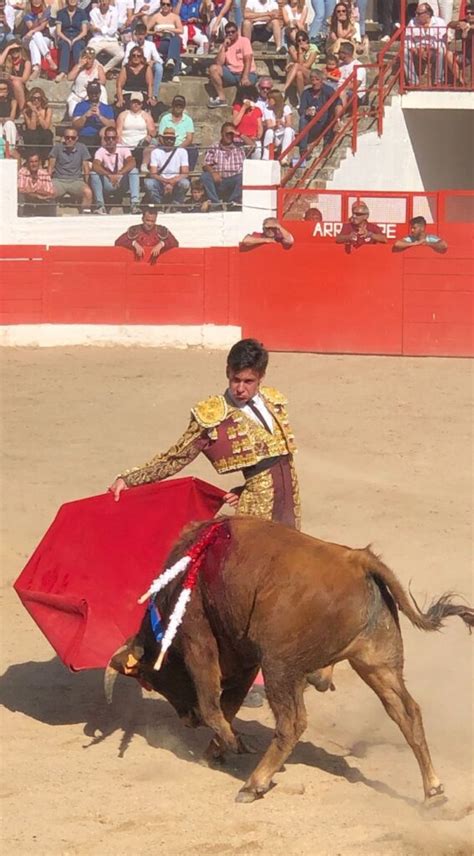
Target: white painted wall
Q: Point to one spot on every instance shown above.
(192, 230)
(429, 149)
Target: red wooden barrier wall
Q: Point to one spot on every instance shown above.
(314, 297)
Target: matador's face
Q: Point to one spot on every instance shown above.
(244, 384)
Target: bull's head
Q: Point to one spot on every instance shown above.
(172, 681)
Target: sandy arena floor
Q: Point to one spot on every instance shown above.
(385, 456)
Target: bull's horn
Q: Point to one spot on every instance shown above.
(110, 674)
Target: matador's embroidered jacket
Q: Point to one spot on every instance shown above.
(232, 441)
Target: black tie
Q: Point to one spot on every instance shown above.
(260, 416)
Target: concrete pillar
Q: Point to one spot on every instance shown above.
(261, 180)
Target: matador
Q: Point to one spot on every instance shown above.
(244, 429)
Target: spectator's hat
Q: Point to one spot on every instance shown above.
(137, 96)
(93, 86)
(179, 99)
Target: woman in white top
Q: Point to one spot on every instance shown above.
(136, 128)
(295, 16)
(277, 121)
(86, 70)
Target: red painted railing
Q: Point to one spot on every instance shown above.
(399, 62)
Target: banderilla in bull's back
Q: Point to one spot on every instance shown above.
(255, 594)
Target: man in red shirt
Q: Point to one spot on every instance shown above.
(272, 233)
(359, 231)
(234, 65)
(146, 236)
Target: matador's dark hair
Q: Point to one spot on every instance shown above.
(248, 354)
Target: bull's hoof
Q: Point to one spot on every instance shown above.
(434, 799)
(248, 795)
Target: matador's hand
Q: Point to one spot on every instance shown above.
(117, 487)
(231, 499)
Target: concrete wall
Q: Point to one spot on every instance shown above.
(195, 230)
(420, 149)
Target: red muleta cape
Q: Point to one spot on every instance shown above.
(82, 583)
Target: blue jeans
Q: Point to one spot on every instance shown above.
(323, 10)
(313, 133)
(229, 189)
(237, 9)
(156, 191)
(170, 48)
(66, 52)
(362, 4)
(157, 78)
(101, 185)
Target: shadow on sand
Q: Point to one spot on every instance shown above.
(49, 693)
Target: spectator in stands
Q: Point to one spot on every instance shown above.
(313, 214)
(8, 109)
(459, 55)
(295, 16)
(71, 32)
(125, 10)
(333, 72)
(425, 46)
(223, 167)
(303, 57)
(277, 123)
(7, 24)
(272, 233)
(347, 64)
(262, 22)
(91, 117)
(114, 171)
(388, 15)
(216, 13)
(323, 10)
(69, 166)
(150, 53)
(312, 101)
(147, 235)
(16, 68)
(104, 26)
(135, 127)
(85, 71)
(199, 202)
(182, 124)
(38, 38)
(37, 117)
(168, 29)
(359, 232)
(135, 76)
(234, 65)
(169, 169)
(247, 119)
(35, 188)
(341, 29)
(418, 237)
(264, 87)
(193, 25)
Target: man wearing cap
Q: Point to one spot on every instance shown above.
(148, 235)
(178, 119)
(223, 167)
(114, 171)
(169, 168)
(91, 116)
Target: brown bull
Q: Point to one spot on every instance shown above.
(271, 597)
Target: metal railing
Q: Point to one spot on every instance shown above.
(432, 61)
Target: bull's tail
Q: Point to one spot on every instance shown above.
(434, 617)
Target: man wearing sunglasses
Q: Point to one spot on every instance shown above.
(114, 171)
(69, 166)
(234, 65)
(359, 232)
